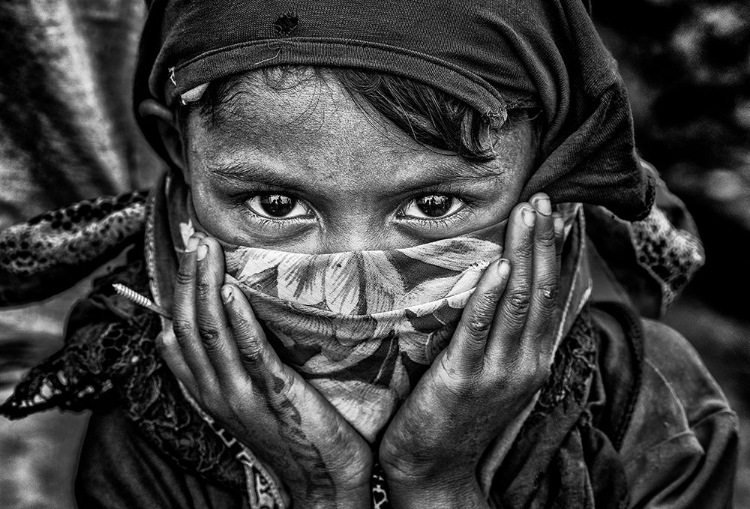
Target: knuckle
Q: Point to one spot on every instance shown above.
(202, 288)
(251, 351)
(548, 291)
(546, 237)
(209, 336)
(182, 328)
(522, 255)
(519, 301)
(184, 277)
(478, 326)
(487, 302)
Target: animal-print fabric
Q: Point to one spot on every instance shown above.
(55, 250)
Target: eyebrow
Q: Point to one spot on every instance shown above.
(239, 172)
(234, 172)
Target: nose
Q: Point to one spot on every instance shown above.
(360, 238)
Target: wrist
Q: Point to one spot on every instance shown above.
(448, 493)
(333, 499)
(325, 491)
(414, 472)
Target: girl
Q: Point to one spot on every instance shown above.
(371, 264)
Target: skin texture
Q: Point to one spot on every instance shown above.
(357, 178)
(356, 172)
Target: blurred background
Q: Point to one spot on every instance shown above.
(67, 134)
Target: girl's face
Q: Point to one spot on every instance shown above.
(305, 169)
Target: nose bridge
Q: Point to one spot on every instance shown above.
(356, 236)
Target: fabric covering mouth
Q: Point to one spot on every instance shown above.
(361, 327)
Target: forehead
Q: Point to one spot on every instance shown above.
(306, 126)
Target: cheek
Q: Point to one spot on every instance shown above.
(218, 218)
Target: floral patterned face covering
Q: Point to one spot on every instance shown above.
(361, 327)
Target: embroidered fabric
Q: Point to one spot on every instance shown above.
(261, 490)
(574, 363)
(55, 250)
(379, 491)
(109, 358)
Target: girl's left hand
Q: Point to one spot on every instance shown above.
(498, 358)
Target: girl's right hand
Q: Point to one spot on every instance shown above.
(219, 352)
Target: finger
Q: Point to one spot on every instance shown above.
(545, 281)
(213, 326)
(256, 355)
(514, 304)
(467, 348)
(169, 349)
(184, 319)
(559, 223)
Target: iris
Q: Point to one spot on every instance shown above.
(434, 205)
(277, 205)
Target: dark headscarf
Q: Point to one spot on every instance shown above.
(494, 55)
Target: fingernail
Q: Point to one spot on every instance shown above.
(529, 216)
(192, 245)
(503, 268)
(227, 294)
(202, 251)
(543, 205)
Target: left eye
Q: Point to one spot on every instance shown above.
(277, 206)
(432, 206)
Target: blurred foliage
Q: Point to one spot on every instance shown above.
(687, 68)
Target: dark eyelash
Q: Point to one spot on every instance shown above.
(434, 223)
(264, 222)
(240, 201)
(448, 189)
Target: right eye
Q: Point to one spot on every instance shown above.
(278, 206)
(432, 206)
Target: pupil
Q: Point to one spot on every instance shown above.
(277, 205)
(435, 205)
